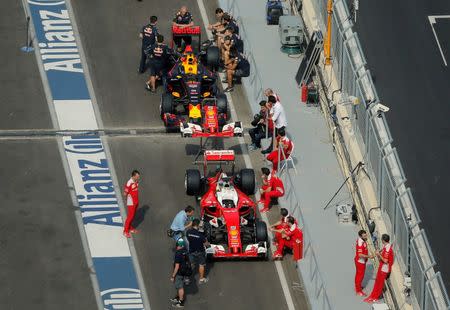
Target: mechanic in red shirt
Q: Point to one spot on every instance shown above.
(131, 194)
(285, 143)
(281, 224)
(361, 257)
(386, 260)
(272, 188)
(291, 237)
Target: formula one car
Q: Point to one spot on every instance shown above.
(228, 214)
(192, 103)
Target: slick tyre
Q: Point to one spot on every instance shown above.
(246, 182)
(193, 182)
(261, 231)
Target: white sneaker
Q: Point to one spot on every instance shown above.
(203, 280)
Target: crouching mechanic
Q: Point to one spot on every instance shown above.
(236, 67)
(159, 59)
(272, 188)
(197, 254)
(281, 224)
(291, 238)
(181, 222)
(131, 194)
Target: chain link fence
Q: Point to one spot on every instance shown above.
(385, 170)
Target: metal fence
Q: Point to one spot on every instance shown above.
(255, 92)
(385, 170)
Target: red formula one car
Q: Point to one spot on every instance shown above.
(228, 214)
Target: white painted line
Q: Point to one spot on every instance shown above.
(248, 163)
(432, 20)
(72, 114)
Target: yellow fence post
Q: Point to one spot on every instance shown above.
(327, 43)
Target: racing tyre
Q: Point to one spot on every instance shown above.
(212, 56)
(222, 103)
(192, 182)
(261, 231)
(166, 104)
(246, 182)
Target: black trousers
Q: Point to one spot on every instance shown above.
(143, 63)
(257, 134)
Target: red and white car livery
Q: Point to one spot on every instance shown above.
(228, 213)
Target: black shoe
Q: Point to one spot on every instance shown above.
(267, 151)
(174, 299)
(179, 304)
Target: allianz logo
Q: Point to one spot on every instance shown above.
(122, 298)
(83, 144)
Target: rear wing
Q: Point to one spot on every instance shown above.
(214, 156)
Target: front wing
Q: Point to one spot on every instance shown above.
(196, 131)
(256, 250)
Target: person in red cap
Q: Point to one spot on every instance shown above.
(281, 142)
(272, 188)
(386, 260)
(131, 194)
(361, 257)
(292, 238)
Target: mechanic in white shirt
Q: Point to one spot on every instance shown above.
(278, 115)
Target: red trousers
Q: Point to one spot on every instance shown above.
(130, 217)
(267, 197)
(379, 284)
(296, 245)
(359, 276)
(273, 157)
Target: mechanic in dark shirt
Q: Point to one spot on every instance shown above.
(159, 56)
(197, 254)
(180, 262)
(148, 35)
(219, 24)
(183, 19)
(237, 66)
(262, 124)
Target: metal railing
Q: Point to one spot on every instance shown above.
(255, 92)
(372, 132)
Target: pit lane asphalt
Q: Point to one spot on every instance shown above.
(109, 33)
(22, 100)
(412, 80)
(42, 262)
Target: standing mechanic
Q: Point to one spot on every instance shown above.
(131, 194)
(181, 222)
(148, 35)
(361, 257)
(159, 58)
(386, 260)
(197, 255)
(183, 19)
(278, 116)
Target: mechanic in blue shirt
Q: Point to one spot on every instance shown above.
(148, 35)
(181, 222)
(197, 255)
(183, 19)
(159, 59)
